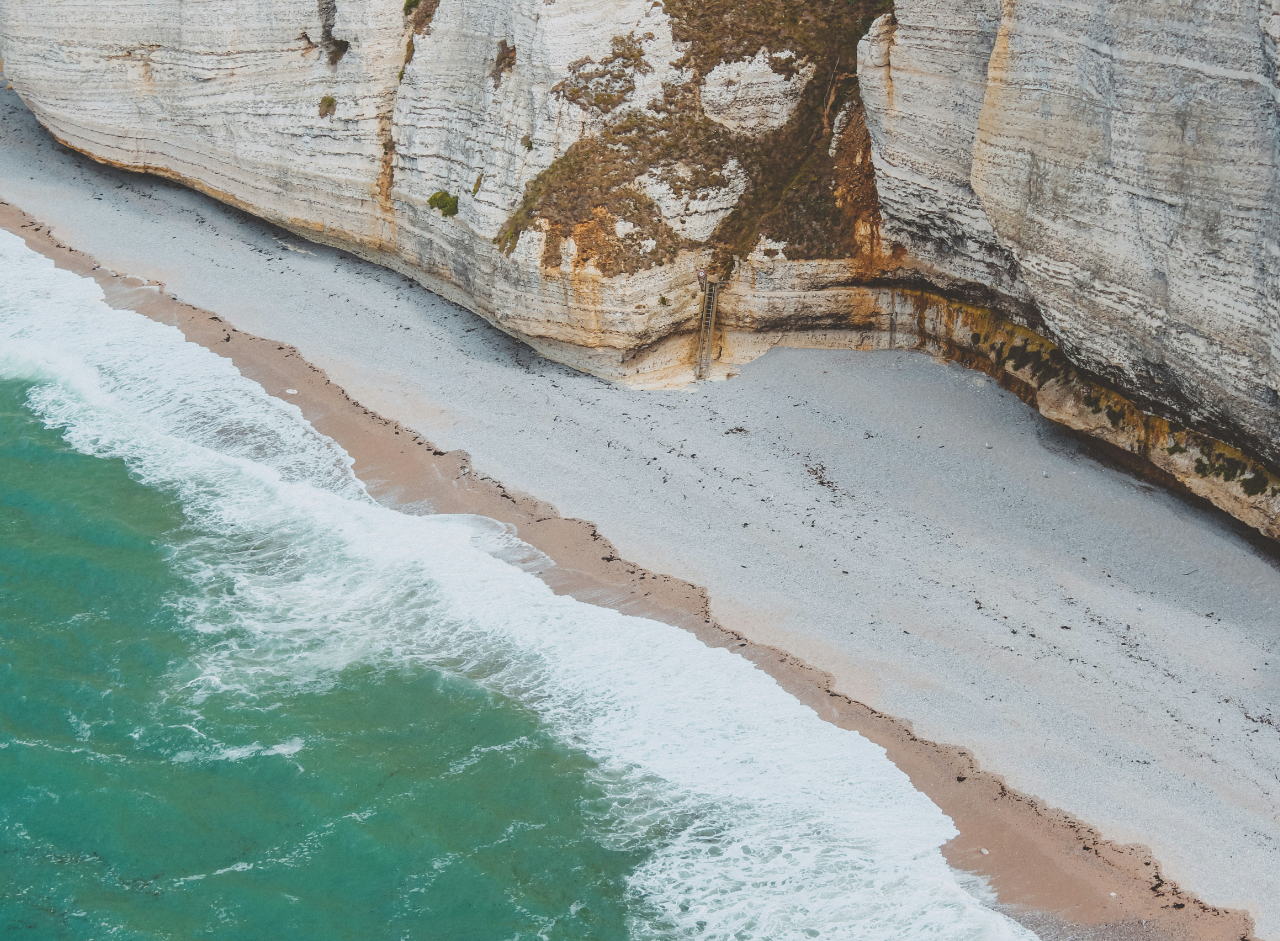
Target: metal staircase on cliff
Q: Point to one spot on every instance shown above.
(710, 291)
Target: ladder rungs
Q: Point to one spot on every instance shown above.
(706, 328)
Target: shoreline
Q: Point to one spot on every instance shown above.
(1035, 862)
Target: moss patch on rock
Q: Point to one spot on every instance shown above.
(448, 205)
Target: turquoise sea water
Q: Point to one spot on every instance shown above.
(239, 699)
(136, 807)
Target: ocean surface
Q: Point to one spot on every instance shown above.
(240, 699)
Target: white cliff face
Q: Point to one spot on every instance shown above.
(1130, 156)
(299, 111)
(753, 97)
(923, 73)
(221, 96)
(1114, 164)
(695, 213)
(456, 123)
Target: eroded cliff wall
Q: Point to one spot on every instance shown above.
(1079, 199)
(1115, 164)
(561, 168)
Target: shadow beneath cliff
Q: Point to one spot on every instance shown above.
(1075, 445)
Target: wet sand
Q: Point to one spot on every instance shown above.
(1049, 870)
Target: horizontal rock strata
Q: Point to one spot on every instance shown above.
(1096, 184)
(1112, 171)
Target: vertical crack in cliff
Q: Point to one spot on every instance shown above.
(827, 206)
(386, 174)
(387, 169)
(417, 20)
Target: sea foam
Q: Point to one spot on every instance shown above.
(758, 819)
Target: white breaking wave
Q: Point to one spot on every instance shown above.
(759, 819)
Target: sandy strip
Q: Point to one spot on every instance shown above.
(1049, 870)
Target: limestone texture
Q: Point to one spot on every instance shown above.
(550, 166)
(1103, 176)
(1111, 171)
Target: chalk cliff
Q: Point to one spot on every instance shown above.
(1080, 200)
(559, 168)
(1111, 169)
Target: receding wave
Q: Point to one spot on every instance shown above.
(756, 818)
